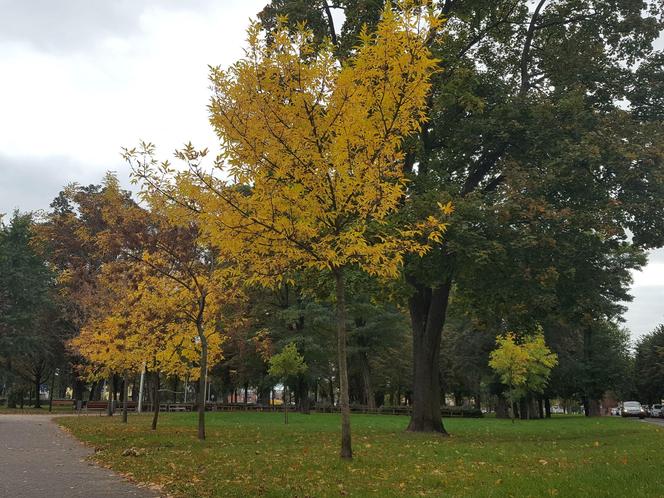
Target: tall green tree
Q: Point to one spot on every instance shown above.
(28, 342)
(650, 366)
(532, 98)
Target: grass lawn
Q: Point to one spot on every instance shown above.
(255, 454)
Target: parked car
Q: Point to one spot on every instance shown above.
(657, 410)
(632, 409)
(615, 411)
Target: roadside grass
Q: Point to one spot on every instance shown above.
(255, 454)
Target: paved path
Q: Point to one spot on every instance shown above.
(656, 421)
(38, 459)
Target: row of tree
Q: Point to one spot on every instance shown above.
(483, 167)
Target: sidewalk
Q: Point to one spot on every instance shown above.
(38, 459)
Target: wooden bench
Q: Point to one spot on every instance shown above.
(98, 406)
(64, 402)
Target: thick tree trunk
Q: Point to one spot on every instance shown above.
(202, 383)
(125, 393)
(427, 312)
(303, 395)
(155, 401)
(591, 407)
(344, 402)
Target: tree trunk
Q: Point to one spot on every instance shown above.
(427, 312)
(155, 401)
(37, 389)
(109, 408)
(125, 393)
(367, 394)
(540, 407)
(591, 407)
(285, 403)
(202, 383)
(344, 403)
(50, 391)
(502, 408)
(303, 405)
(547, 407)
(93, 388)
(523, 409)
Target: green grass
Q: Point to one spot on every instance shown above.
(255, 454)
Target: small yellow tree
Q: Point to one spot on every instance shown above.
(284, 365)
(524, 366)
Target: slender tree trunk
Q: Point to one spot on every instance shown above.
(202, 383)
(344, 403)
(109, 408)
(155, 401)
(540, 407)
(37, 389)
(50, 392)
(125, 393)
(285, 396)
(547, 407)
(428, 308)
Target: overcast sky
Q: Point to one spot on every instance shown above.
(79, 79)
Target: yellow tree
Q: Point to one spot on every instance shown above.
(187, 277)
(108, 338)
(314, 151)
(177, 289)
(522, 366)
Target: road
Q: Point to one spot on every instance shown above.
(656, 421)
(38, 459)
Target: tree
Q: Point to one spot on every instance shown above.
(522, 367)
(30, 331)
(650, 366)
(513, 71)
(314, 149)
(183, 275)
(285, 365)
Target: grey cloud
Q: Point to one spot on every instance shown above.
(646, 311)
(656, 256)
(73, 25)
(30, 184)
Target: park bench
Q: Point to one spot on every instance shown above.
(96, 406)
(64, 402)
